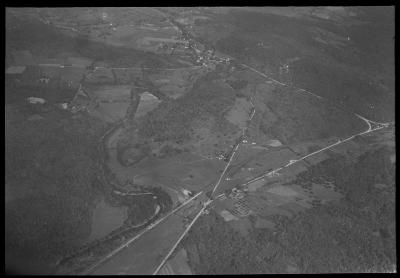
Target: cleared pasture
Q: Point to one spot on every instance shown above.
(50, 71)
(148, 102)
(174, 83)
(141, 37)
(127, 76)
(106, 219)
(142, 256)
(110, 93)
(72, 74)
(239, 113)
(110, 112)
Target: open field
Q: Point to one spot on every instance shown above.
(175, 83)
(110, 112)
(147, 103)
(177, 265)
(141, 38)
(240, 112)
(100, 76)
(141, 257)
(106, 219)
(109, 93)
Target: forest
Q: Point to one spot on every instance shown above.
(172, 119)
(51, 172)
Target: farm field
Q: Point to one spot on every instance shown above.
(147, 252)
(147, 103)
(177, 82)
(177, 265)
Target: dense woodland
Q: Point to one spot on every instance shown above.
(172, 119)
(297, 120)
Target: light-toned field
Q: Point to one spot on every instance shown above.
(148, 102)
(179, 264)
(144, 38)
(127, 76)
(269, 160)
(179, 172)
(190, 19)
(185, 170)
(50, 71)
(79, 61)
(256, 185)
(106, 218)
(209, 141)
(307, 147)
(144, 255)
(239, 114)
(264, 224)
(111, 93)
(290, 173)
(72, 74)
(243, 226)
(174, 83)
(110, 112)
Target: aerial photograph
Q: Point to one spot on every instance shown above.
(200, 140)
